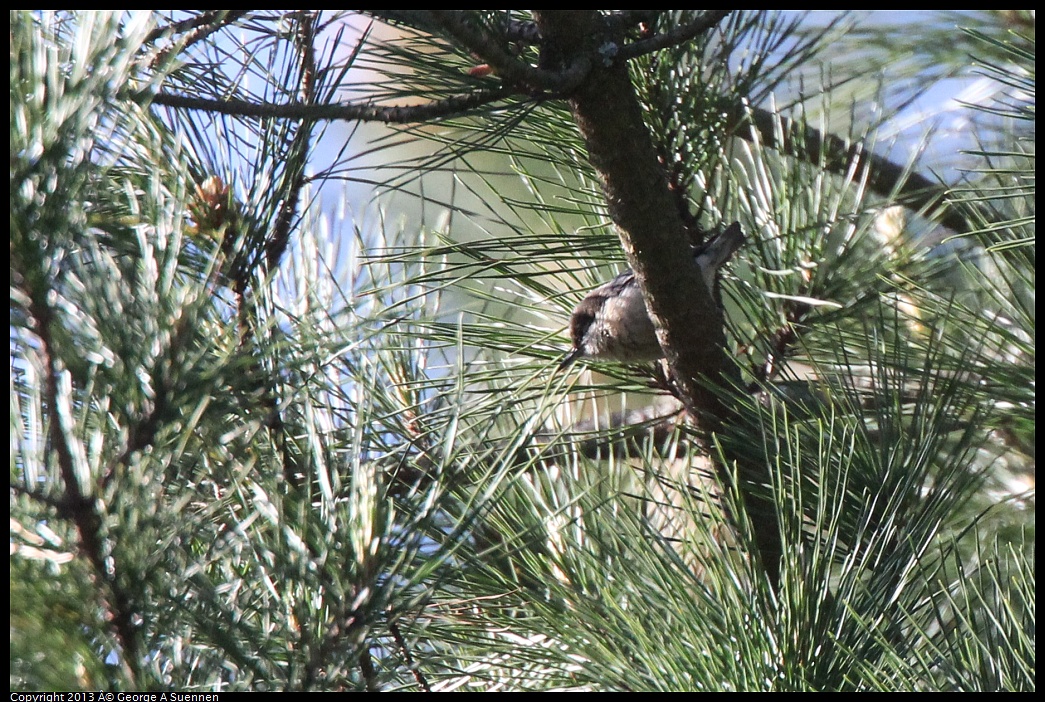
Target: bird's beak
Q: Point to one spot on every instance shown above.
(568, 360)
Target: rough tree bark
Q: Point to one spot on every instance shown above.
(690, 327)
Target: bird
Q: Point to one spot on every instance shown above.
(611, 323)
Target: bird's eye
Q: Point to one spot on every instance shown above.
(579, 323)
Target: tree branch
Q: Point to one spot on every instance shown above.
(689, 327)
(198, 28)
(620, 148)
(298, 151)
(366, 668)
(885, 177)
(408, 114)
(82, 510)
(917, 191)
(279, 238)
(411, 664)
(207, 21)
(678, 35)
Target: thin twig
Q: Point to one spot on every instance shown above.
(678, 35)
(781, 342)
(198, 28)
(279, 239)
(366, 667)
(407, 114)
(204, 19)
(411, 664)
(297, 152)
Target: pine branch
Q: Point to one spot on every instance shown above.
(411, 664)
(689, 327)
(674, 37)
(198, 28)
(453, 106)
(81, 509)
(298, 152)
(277, 241)
(207, 21)
(887, 178)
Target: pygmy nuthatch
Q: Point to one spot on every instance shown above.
(612, 324)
